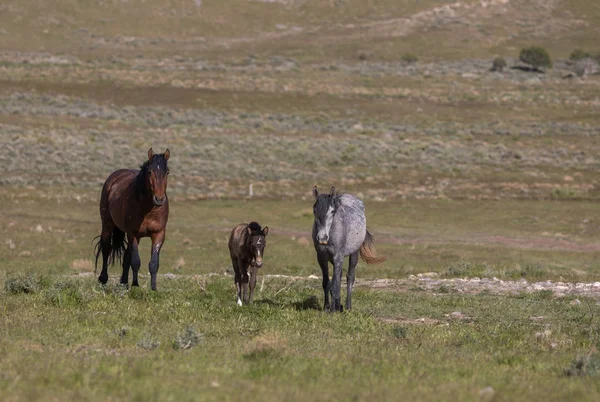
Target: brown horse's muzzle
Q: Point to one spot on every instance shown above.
(257, 263)
(158, 201)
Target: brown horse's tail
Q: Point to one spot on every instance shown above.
(367, 251)
(117, 245)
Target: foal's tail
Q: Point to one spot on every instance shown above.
(116, 246)
(367, 251)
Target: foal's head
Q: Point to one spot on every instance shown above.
(324, 210)
(155, 172)
(257, 240)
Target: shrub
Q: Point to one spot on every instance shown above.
(187, 339)
(498, 64)
(409, 58)
(536, 56)
(148, 343)
(66, 293)
(586, 365)
(579, 54)
(29, 283)
(400, 332)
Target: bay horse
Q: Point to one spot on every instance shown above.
(134, 203)
(340, 230)
(247, 244)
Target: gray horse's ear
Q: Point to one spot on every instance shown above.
(332, 192)
(265, 230)
(150, 154)
(167, 154)
(315, 192)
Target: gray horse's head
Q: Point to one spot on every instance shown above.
(324, 210)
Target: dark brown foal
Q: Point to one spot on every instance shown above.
(246, 247)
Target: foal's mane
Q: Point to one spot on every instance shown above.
(158, 160)
(255, 228)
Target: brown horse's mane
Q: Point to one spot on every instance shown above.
(157, 161)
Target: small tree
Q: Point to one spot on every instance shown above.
(579, 54)
(498, 64)
(536, 56)
(409, 58)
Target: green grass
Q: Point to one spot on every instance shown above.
(88, 344)
(464, 173)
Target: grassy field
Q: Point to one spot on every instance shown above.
(465, 173)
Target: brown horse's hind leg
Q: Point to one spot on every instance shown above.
(106, 248)
(127, 261)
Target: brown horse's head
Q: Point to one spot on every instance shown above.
(155, 172)
(257, 241)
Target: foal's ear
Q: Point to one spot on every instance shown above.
(249, 231)
(265, 230)
(167, 154)
(150, 154)
(315, 192)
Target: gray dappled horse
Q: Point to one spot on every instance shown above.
(340, 230)
(247, 247)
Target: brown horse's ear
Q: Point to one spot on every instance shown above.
(249, 231)
(150, 154)
(332, 192)
(265, 230)
(167, 154)
(315, 192)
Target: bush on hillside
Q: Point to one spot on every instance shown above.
(409, 58)
(536, 56)
(498, 64)
(579, 54)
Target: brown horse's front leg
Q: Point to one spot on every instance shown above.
(157, 242)
(135, 259)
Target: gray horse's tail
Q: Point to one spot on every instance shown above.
(367, 251)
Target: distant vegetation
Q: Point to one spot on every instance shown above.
(579, 54)
(409, 58)
(498, 64)
(536, 56)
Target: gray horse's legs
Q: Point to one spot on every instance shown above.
(336, 285)
(324, 264)
(350, 279)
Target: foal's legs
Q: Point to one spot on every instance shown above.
(157, 242)
(238, 279)
(324, 264)
(245, 265)
(135, 259)
(350, 279)
(253, 274)
(336, 283)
